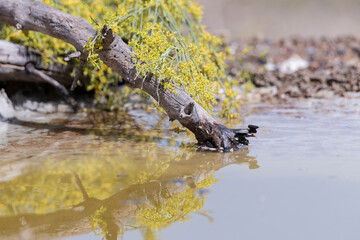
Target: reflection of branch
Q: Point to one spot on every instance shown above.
(210, 218)
(122, 206)
(113, 229)
(81, 186)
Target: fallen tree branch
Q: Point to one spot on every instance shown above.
(19, 63)
(14, 57)
(37, 16)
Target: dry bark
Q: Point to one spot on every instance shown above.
(37, 16)
(19, 63)
(14, 57)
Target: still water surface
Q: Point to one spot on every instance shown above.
(300, 179)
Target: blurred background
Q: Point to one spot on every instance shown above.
(282, 18)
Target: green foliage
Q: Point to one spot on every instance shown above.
(166, 36)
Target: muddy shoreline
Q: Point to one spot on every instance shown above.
(298, 67)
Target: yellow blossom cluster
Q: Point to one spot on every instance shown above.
(166, 36)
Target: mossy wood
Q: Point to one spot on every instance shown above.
(115, 53)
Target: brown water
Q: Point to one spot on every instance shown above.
(298, 180)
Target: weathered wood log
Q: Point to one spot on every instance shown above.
(19, 63)
(14, 57)
(37, 16)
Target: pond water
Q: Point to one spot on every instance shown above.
(141, 179)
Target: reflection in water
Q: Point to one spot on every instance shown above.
(73, 183)
(110, 188)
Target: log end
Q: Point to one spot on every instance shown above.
(217, 137)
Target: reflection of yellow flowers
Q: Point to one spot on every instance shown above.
(171, 210)
(207, 182)
(175, 208)
(97, 222)
(52, 186)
